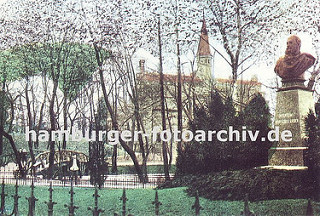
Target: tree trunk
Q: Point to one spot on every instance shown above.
(2, 120)
(16, 153)
(142, 149)
(113, 117)
(170, 149)
(53, 127)
(179, 96)
(31, 126)
(2, 116)
(65, 119)
(1, 139)
(163, 110)
(114, 169)
(36, 145)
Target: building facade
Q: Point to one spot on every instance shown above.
(196, 91)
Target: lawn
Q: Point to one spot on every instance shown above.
(174, 202)
(152, 169)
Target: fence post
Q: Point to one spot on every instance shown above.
(71, 207)
(197, 205)
(309, 209)
(3, 199)
(16, 198)
(124, 200)
(95, 211)
(156, 203)
(246, 211)
(50, 204)
(32, 201)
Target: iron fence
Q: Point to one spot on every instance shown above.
(70, 207)
(95, 210)
(128, 181)
(123, 181)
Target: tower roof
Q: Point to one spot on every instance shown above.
(204, 48)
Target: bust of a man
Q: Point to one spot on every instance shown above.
(293, 65)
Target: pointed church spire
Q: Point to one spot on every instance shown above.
(204, 69)
(204, 48)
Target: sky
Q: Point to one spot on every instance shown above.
(221, 69)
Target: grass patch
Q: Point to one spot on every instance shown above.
(152, 169)
(175, 201)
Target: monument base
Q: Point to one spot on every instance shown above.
(287, 156)
(294, 101)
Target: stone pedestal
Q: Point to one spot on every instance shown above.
(294, 101)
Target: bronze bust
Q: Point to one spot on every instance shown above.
(293, 65)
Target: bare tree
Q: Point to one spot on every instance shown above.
(163, 110)
(243, 28)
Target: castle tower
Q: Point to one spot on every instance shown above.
(204, 70)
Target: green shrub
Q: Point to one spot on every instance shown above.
(212, 156)
(258, 183)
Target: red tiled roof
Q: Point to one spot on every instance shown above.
(154, 77)
(168, 77)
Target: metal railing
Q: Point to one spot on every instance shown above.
(128, 181)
